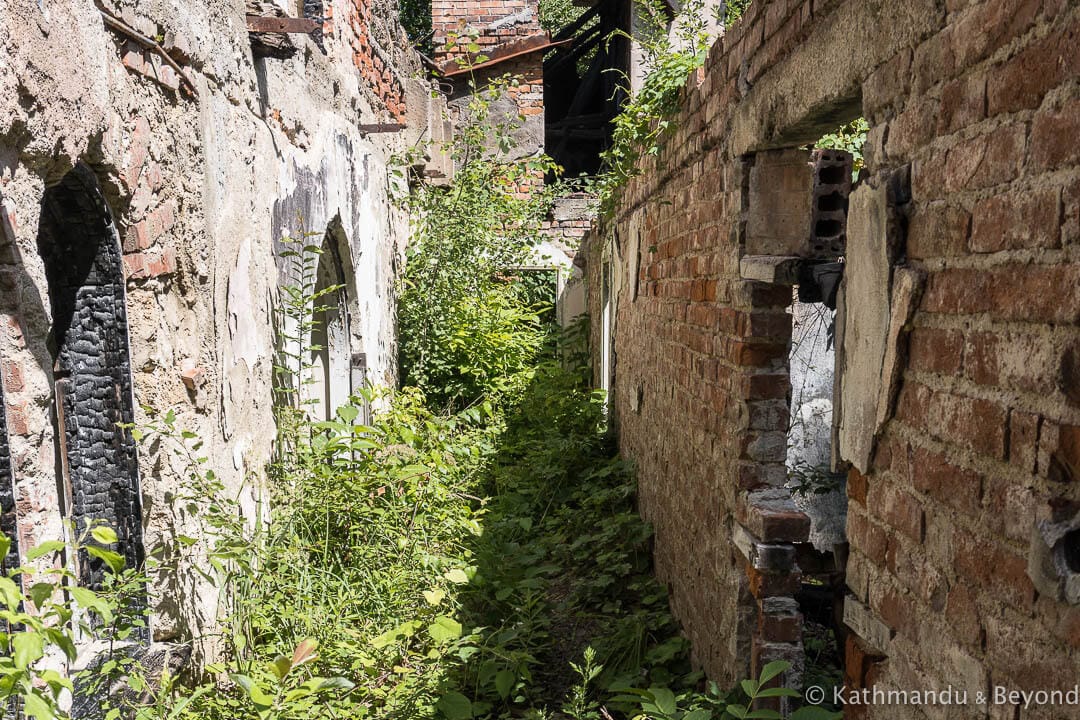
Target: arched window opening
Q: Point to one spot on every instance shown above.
(97, 468)
(330, 384)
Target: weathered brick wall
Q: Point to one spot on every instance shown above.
(983, 455)
(493, 21)
(201, 169)
(505, 33)
(958, 520)
(375, 40)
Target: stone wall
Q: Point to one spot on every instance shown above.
(957, 335)
(201, 168)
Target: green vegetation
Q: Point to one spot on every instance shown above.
(849, 137)
(473, 552)
(646, 116)
(734, 9)
(467, 325)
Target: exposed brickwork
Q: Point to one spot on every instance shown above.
(369, 55)
(81, 250)
(494, 21)
(969, 473)
(470, 32)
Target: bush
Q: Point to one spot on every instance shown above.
(463, 331)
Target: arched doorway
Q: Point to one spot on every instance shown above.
(97, 468)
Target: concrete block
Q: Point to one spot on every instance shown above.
(773, 269)
(865, 623)
(866, 322)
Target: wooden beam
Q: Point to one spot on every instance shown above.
(380, 128)
(571, 29)
(500, 53)
(268, 24)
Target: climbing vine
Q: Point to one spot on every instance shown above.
(646, 116)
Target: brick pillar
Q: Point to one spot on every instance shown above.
(768, 527)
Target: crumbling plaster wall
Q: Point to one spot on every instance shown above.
(958, 510)
(201, 185)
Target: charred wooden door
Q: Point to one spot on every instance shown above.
(92, 376)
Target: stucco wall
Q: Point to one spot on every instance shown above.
(201, 185)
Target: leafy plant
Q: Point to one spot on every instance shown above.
(646, 116)
(760, 689)
(806, 479)
(849, 137)
(463, 331)
(53, 613)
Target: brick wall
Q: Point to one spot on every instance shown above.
(494, 21)
(502, 31)
(963, 284)
(372, 55)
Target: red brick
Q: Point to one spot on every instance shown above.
(933, 62)
(1023, 439)
(756, 354)
(1054, 136)
(18, 419)
(858, 659)
(140, 146)
(140, 266)
(986, 564)
(867, 538)
(1023, 219)
(784, 628)
(928, 176)
(766, 294)
(161, 220)
(1070, 220)
(857, 485)
(1012, 360)
(900, 510)
(912, 129)
(763, 584)
(899, 612)
(990, 25)
(1009, 508)
(953, 486)
(936, 351)
(1069, 626)
(1023, 81)
(766, 386)
(971, 423)
(986, 160)
(963, 103)
(1065, 460)
(137, 237)
(888, 84)
(963, 615)
(938, 230)
(12, 377)
(771, 325)
(1030, 293)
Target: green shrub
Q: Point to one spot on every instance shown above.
(463, 332)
